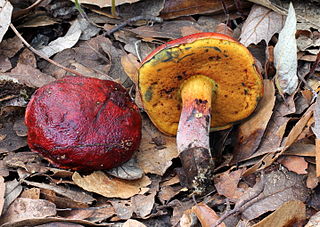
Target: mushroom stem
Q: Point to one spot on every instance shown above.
(193, 130)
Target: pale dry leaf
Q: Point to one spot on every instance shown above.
(295, 164)
(5, 17)
(123, 208)
(314, 220)
(156, 149)
(133, 223)
(105, 3)
(261, 24)
(62, 43)
(2, 191)
(285, 56)
(143, 204)
(102, 184)
(24, 209)
(312, 180)
(290, 212)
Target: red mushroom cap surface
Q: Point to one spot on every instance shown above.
(83, 123)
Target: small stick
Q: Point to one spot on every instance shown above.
(41, 54)
(134, 19)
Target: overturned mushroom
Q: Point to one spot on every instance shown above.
(186, 82)
(83, 123)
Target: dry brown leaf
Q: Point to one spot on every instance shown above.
(76, 196)
(2, 192)
(10, 47)
(143, 204)
(206, 215)
(30, 76)
(25, 209)
(312, 180)
(269, 158)
(261, 24)
(227, 184)
(179, 207)
(9, 140)
(92, 214)
(167, 30)
(12, 191)
(156, 149)
(61, 201)
(178, 8)
(166, 193)
(252, 130)
(301, 149)
(123, 209)
(280, 186)
(290, 212)
(100, 183)
(31, 193)
(27, 57)
(295, 164)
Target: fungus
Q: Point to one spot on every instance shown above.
(83, 123)
(198, 83)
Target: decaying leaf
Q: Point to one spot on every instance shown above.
(227, 184)
(261, 24)
(133, 223)
(280, 186)
(5, 17)
(24, 209)
(295, 164)
(76, 196)
(285, 56)
(12, 191)
(290, 212)
(206, 215)
(100, 183)
(156, 149)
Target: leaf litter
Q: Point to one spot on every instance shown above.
(267, 167)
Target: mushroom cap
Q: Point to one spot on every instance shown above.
(83, 123)
(220, 57)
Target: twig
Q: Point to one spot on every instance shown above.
(132, 20)
(41, 54)
(244, 204)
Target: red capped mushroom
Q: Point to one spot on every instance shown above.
(195, 84)
(83, 123)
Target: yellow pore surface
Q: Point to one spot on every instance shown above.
(228, 63)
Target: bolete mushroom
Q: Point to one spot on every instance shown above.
(83, 123)
(196, 83)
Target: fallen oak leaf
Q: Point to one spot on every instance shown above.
(261, 24)
(206, 215)
(285, 56)
(102, 184)
(290, 212)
